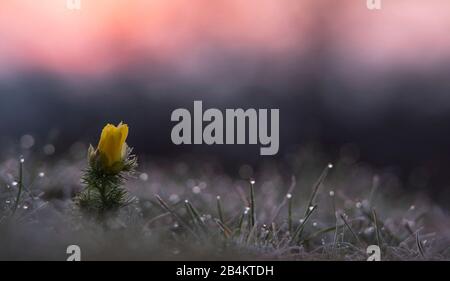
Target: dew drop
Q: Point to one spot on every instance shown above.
(143, 177)
(174, 198)
(330, 166)
(358, 205)
(196, 189)
(331, 193)
(311, 208)
(369, 230)
(41, 174)
(14, 183)
(218, 197)
(288, 196)
(252, 181)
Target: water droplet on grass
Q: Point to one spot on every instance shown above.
(288, 196)
(196, 189)
(369, 230)
(252, 181)
(331, 193)
(143, 177)
(41, 174)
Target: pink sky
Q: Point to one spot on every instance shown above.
(105, 34)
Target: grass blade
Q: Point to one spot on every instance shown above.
(351, 230)
(166, 207)
(219, 209)
(299, 230)
(226, 231)
(252, 203)
(316, 187)
(289, 198)
(377, 229)
(420, 246)
(20, 186)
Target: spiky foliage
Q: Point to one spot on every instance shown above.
(104, 191)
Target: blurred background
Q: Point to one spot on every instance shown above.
(371, 85)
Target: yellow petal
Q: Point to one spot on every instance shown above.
(112, 142)
(124, 130)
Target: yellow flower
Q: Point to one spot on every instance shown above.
(112, 146)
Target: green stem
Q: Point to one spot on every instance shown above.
(377, 230)
(290, 213)
(298, 232)
(20, 186)
(252, 204)
(219, 210)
